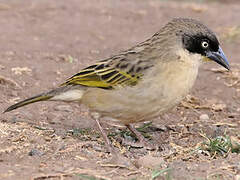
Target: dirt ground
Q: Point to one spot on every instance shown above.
(42, 43)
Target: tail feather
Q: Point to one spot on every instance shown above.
(64, 93)
(41, 97)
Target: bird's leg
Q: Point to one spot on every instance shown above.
(117, 158)
(110, 148)
(140, 137)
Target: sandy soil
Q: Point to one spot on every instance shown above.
(44, 42)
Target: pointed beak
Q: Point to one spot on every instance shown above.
(219, 58)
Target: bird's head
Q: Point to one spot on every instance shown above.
(197, 38)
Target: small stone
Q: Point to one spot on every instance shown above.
(35, 152)
(204, 117)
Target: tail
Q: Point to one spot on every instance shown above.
(65, 93)
(41, 97)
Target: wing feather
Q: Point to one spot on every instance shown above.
(105, 74)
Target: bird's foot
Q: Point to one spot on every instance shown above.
(142, 142)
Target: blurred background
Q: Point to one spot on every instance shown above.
(43, 42)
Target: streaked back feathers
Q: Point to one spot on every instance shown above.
(106, 74)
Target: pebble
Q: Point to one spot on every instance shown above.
(204, 117)
(35, 152)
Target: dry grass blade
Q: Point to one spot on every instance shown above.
(166, 172)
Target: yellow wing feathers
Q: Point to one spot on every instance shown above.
(107, 75)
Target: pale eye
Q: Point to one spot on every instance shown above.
(205, 44)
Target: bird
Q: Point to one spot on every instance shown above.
(144, 81)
